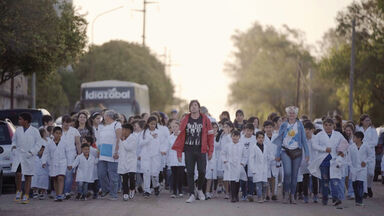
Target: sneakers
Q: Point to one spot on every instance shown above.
(359, 204)
(292, 199)
(267, 198)
(42, 196)
(191, 199)
(286, 200)
(125, 197)
(181, 195)
(250, 198)
(274, 198)
(173, 196)
(201, 195)
(260, 200)
(18, 196)
(35, 195)
(315, 198)
(25, 199)
(370, 193)
(131, 194)
(157, 191)
(104, 194)
(305, 199)
(146, 195)
(243, 198)
(226, 196)
(208, 196)
(78, 196)
(84, 198)
(59, 198)
(67, 196)
(337, 203)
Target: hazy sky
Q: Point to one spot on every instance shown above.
(197, 34)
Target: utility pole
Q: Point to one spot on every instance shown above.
(144, 11)
(310, 94)
(351, 74)
(34, 90)
(298, 85)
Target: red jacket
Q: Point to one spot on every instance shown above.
(207, 136)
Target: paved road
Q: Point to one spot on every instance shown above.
(166, 206)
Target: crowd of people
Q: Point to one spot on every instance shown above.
(102, 154)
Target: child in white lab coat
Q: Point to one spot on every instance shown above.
(55, 156)
(211, 170)
(225, 140)
(232, 155)
(150, 156)
(40, 181)
(273, 168)
(260, 158)
(360, 155)
(95, 153)
(85, 163)
(248, 139)
(128, 161)
(177, 167)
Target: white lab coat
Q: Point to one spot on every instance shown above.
(273, 171)
(127, 155)
(225, 140)
(164, 147)
(41, 178)
(232, 155)
(172, 154)
(259, 163)
(247, 142)
(320, 144)
(95, 153)
(211, 169)
(27, 145)
(55, 156)
(371, 139)
(150, 152)
(85, 168)
(359, 173)
(138, 151)
(69, 138)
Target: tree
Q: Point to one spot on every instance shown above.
(264, 69)
(51, 94)
(126, 62)
(369, 75)
(34, 38)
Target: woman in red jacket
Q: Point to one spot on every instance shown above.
(195, 140)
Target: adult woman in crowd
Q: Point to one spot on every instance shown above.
(83, 125)
(290, 142)
(109, 137)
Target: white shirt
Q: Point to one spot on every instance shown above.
(69, 138)
(292, 132)
(107, 141)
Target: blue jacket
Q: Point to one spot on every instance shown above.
(302, 141)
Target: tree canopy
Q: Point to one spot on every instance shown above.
(124, 61)
(36, 37)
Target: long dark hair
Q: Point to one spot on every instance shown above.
(150, 119)
(88, 124)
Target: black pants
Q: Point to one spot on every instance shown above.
(235, 186)
(194, 156)
(315, 185)
(177, 179)
(358, 189)
(132, 183)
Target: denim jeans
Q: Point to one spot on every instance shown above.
(291, 170)
(109, 179)
(342, 188)
(351, 193)
(68, 181)
(358, 189)
(82, 188)
(335, 185)
(261, 188)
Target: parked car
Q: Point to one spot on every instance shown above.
(7, 129)
(13, 115)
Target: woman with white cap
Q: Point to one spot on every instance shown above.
(291, 142)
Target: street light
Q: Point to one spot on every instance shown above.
(99, 15)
